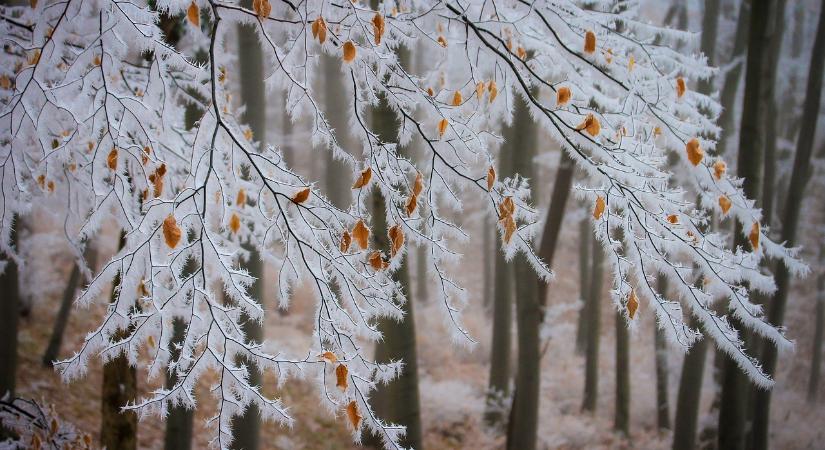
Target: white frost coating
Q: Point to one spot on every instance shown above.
(84, 78)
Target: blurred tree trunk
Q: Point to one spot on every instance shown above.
(56, 340)
(498, 390)
(621, 421)
(690, 395)
(816, 357)
(735, 385)
(9, 318)
(585, 232)
(488, 249)
(179, 421)
(730, 83)
(523, 424)
(118, 429)
(337, 189)
(398, 401)
(247, 427)
(793, 204)
(421, 274)
(594, 311)
(660, 344)
(555, 214)
(769, 119)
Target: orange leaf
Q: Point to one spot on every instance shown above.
(363, 179)
(695, 153)
(418, 185)
(378, 27)
(329, 357)
(349, 52)
(377, 261)
(262, 8)
(754, 236)
(411, 205)
(442, 127)
(719, 169)
(301, 196)
(491, 178)
(353, 415)
(346, 240)
(509, 228)
(396, 236)
(457, 98)
(241, 197)
(361, 234)
(673, 218)
(632, 304)
(563, 95)
(493, 89)
(591, 125)
(522, 53)
(319, 29)
(506, 208)
(442, 42)
(111, 160)
(341, 373)
(680, 87)
(589, 42)
(171, 231)
(725, 204)
(479, 90)
(234, 223)
(598, 210)
(194, 14)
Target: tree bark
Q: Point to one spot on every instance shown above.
(9, 318)
(621, 421)
(796, 190)
(594, 312)
(247, 427)
(555, 216)
(816, 356)
(660, 343)
(732, 411)
(338, 191)
(730, 84)
(585, 232)
(522, 430)
(690, 395)
(118, 429)
(488, 249)
(179, 424)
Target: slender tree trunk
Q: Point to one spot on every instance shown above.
(735, 385)
(56, 340)
(118, 429)
(594, 312)
(338, 192)
(488, 249)
(179, 424)
(585, 232)
(730, 84)
(771, 125)
(690, 396)
(816, 357)
(421, 274)
(555, 216)
(247, 427)
(796, 190)
(9, 318)
(523, 426)
(621, 421)
(660, 342)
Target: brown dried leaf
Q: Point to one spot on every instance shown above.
(194, 14)
(377, 261)
(506, 208)
(301, 196)
(563, 96)
(589, 42)
(491, 178)
(346, 241)
(361, 234)
(457, 98)
(509, 228)
(353, 415)
(591, 125)
(632, 304)
(418, 185)
(725, 204)
(349, 52)
(598, 210)
(694, 151)
(411, 205)
(396, 236)
(240, 199)
(493, 90)
(262, 8)
(234, 223)
(111, 160)
(521, 53)
(442, 42)
(341, 373)
(442, 127)
(171, 231)
(754, 236)
(329, 357)
(363, 179)
(673, 218)
(680, 87)
(479, 90)
(378, 27)
(719, 169)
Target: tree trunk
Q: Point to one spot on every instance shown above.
(179, 421)
(555, 215)
(690, 395)
(735, 385)
(730, 84)
(488, 249)
(9, 317)
(594, 311)
(585, 232)
(523, 424)
(621, 421)
(799, 179)
(118, 429)
(660, 343)
(816, 357)
(337, 189)
(247, 427)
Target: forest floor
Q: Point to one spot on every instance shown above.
(453, 377)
